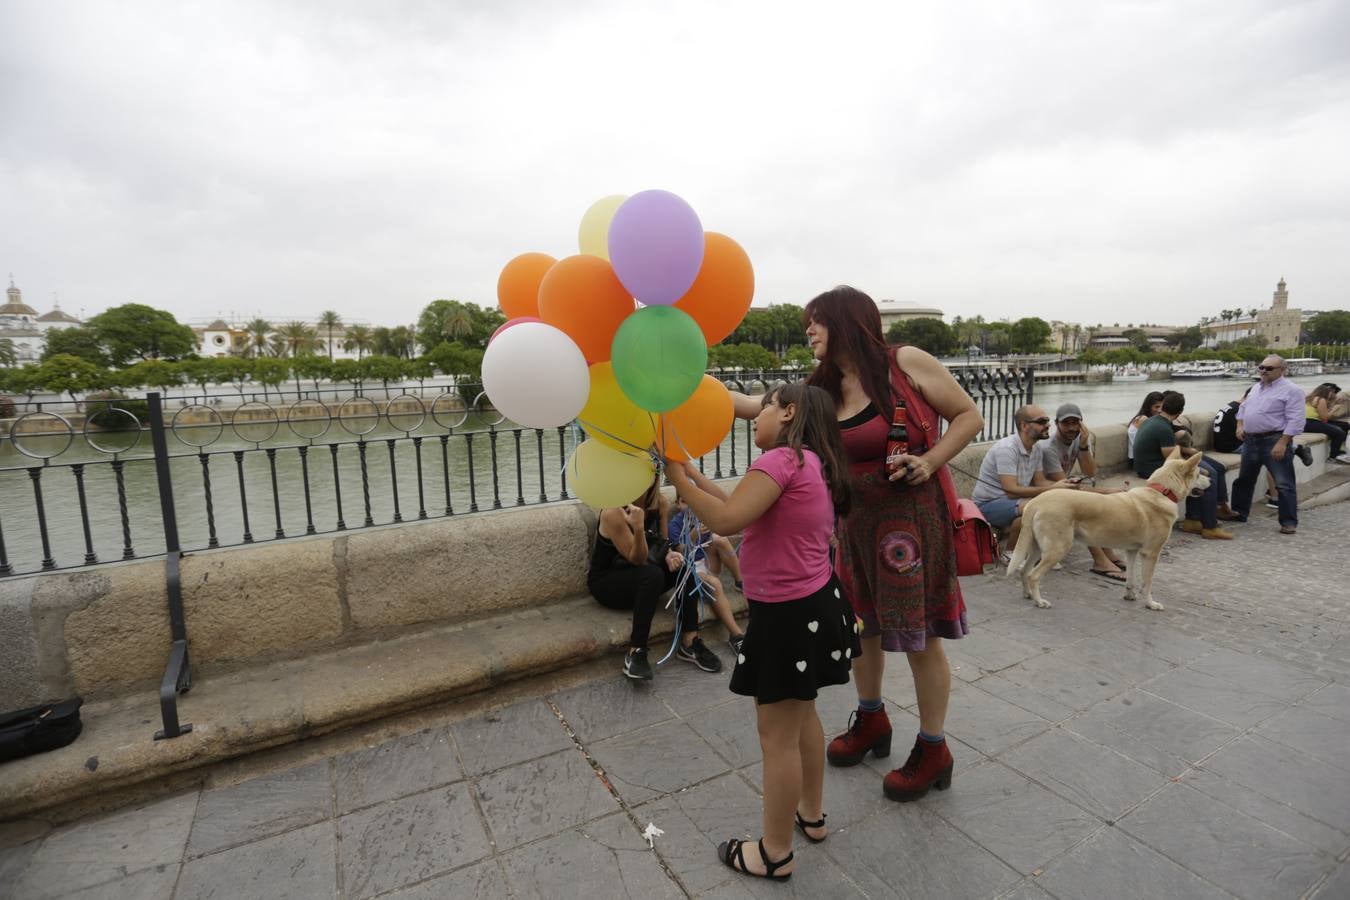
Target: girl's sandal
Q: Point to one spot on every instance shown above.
(802, 825)
(732, 854)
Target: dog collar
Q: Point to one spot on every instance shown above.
(1166, 492)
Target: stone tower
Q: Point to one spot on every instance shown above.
(1281, 301)
(1280, 325)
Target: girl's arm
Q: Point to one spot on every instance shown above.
(725, 515)
(704, 483)
(617, 525)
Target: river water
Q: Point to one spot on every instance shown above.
(1102, 404)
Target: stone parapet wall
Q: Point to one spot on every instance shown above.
(104, 631)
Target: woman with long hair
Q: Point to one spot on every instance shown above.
(1317, 408)
(1147, 410)
(895, 560)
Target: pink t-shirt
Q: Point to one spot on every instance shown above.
(785, 554)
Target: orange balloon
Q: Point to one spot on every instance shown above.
(582, 297)
(721, 294)
(518, 285)
(698, 424)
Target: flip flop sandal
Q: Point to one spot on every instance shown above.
(1113, 576)
(802, 825)
(732, 854)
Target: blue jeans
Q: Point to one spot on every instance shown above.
(1255, 457)
(1206, 506)
(1218, 476)
(1000, 511)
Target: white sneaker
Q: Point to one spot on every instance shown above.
(1343, 458)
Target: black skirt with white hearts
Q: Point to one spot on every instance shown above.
(793, 649)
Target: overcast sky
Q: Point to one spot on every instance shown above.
(1099, 161)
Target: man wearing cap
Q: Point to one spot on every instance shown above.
(1266, 424)
(1071, 443)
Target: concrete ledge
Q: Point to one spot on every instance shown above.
(292, 700)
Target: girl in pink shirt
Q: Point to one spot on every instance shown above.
(801, 635)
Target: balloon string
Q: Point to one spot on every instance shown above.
(590, 426)
(689, 533)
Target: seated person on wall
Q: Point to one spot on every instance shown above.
(715, 549)
(1071, 444)
(1317, 412)
(632, 565)
(703, 542)
(1155, 439)
(1013, 472)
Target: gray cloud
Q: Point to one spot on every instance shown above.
(1128, 160)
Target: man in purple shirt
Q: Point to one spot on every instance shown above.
(1266, 424)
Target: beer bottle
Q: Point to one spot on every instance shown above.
(897, 439)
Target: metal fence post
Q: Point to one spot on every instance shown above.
(178, 673)
(1031, 384)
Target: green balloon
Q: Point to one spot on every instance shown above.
(659, 356)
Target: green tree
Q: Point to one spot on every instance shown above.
(358, 339)
(158, 373)
(82, 342)
(65, 374)
(1329, 327)
(315, 368)
(348, 371)
(926, 333)
(384, 369)
(453, 358)
(799, 356)
(203, 371)
(1189, 338)
(330, 321)
(1138, 339)
(136, 331)
(257, 332)
(270, 373)
(236, 371)
(300, 338)
(454, 320)
(24, 380)
(7, 355)
(995, 338)
(1028, 335)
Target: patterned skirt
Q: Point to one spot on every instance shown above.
(897, 564)
(793, 649)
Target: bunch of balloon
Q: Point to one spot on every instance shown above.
(635, 312)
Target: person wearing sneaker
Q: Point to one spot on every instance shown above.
(632, 565)
(1268, 420)
(1317, 409)
(895, 560)
(1155, 439)
(801, 634)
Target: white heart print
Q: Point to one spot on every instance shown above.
(740, 658)
(801, 665)
(812, 626)
(849, 652)
(835, 655)
(836, 593)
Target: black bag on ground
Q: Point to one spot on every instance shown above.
(39, 728)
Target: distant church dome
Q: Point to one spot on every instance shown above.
(14, 305)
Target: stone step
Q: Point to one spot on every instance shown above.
(267, 706)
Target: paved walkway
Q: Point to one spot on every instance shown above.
(1102, 751)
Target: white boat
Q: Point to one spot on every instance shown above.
(1129, 375)
(1204, 368)
(1304, 365)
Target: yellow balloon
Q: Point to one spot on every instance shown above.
(603, 477)
(593, 236)
(610, 417)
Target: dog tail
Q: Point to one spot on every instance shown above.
(1025, 542)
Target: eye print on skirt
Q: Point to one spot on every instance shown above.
(900, 552)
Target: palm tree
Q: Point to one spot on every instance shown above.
(257, 336)
(330, 320)
(7, 355)
(358, 339)
(277, 345)
(458, 323)
(299, 337)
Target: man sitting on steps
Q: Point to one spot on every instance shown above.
(1155, 438)
(1070, 444)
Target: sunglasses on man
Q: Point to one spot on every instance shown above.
(1269, 368)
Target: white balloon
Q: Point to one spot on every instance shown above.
(535, 375)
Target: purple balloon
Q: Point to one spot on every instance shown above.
(656, 246)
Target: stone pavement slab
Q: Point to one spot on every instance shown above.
(1102, 750)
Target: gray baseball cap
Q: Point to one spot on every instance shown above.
(1068, 411)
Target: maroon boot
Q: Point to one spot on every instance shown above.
(866, 731)
(929, 765)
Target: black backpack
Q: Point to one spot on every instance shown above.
(1225, 429)
(39, 728)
